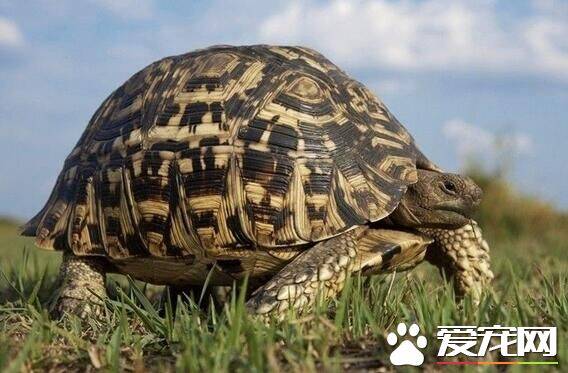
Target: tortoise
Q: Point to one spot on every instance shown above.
(261, 162)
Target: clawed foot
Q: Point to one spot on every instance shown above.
(82, 308)
(82, 288)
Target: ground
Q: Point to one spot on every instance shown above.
(529, 242)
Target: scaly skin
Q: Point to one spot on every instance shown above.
(320, 271)
(463, 255)
(82, 287)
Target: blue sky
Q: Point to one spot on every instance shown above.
(482, 79)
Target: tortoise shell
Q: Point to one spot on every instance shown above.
(228, 148)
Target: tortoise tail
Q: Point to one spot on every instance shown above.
(30, 228)
(73, 218)
(49, 226)
(107, 212)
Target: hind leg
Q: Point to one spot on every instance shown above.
(82, 287)
(463, 255)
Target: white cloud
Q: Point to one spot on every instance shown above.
(548, 40)
(427, 35)
(473, 142)
(10, 34)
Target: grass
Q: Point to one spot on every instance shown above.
(529, 246)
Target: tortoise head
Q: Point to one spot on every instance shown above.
(438, 200)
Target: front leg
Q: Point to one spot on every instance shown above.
(82, 287)
(318, 271)
(322, 269)
(463, 255)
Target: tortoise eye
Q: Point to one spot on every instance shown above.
(449, 187)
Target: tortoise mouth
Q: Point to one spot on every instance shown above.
(455, 215)
(455, 209)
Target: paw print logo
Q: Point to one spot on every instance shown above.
(406, 353)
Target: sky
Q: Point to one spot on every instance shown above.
(484, 80)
